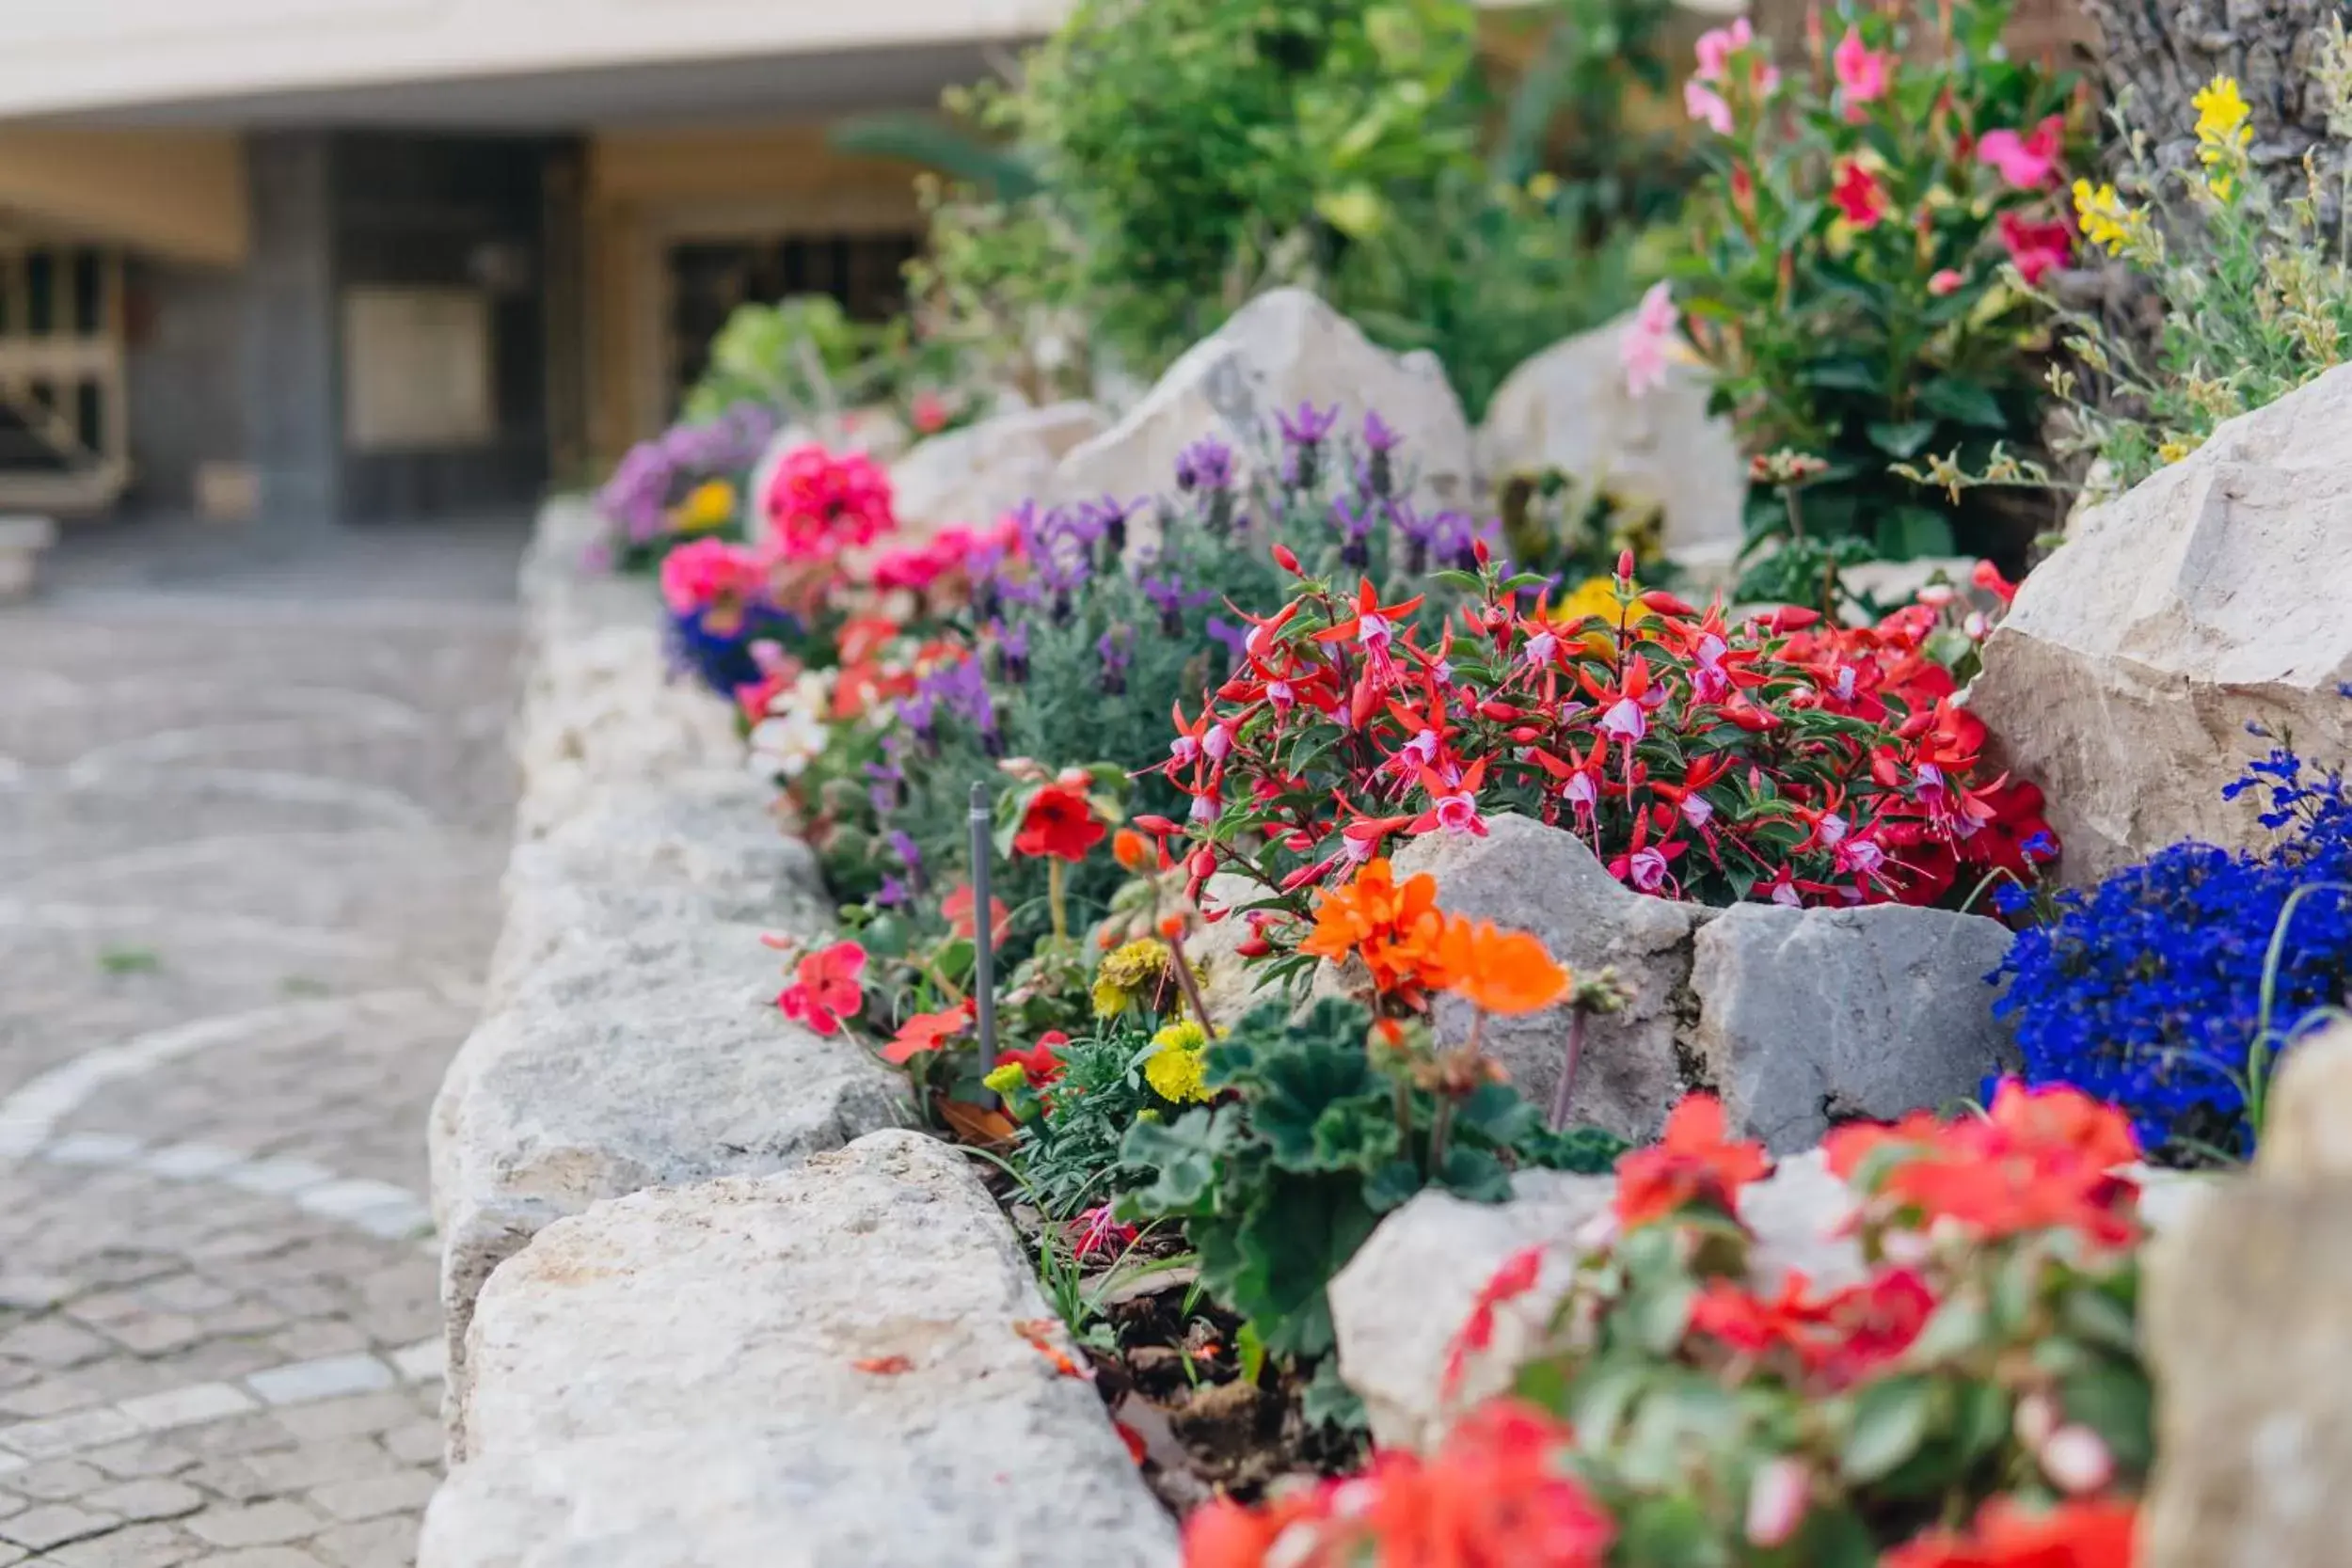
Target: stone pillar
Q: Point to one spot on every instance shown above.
(290, 371)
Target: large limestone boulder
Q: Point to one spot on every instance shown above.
(827, 1366)
(2211, 595)
(1283, 348)
(1568, 409)
(2311, 1107)
(1402, 1299)
(1527, 877)
(1811, 1017)
(971, 477)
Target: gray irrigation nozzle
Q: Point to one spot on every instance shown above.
(983, 929)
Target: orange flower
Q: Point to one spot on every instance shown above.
(957, 907)
(2072, 1535)
(1395, 931)
(1690, 1164)
(926, 1032)
(1131, 849)
(1500, 972)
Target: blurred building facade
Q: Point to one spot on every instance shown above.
(351, 260)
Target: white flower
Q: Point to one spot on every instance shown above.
(783, 747)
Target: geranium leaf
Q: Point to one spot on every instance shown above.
(1889, 1422)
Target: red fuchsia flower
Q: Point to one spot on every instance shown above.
(1452, 802)
(1372, 628)
(827, 987)
(1858, 195)
(1645, 347)
(1060, 823)
(710, 575)
(1098, 1231)
(1864, 73)
(1988, 577)
(1944, 281)
(956, 910)
(2024, 163)
(2008, 1534)
(2037, 248)
(820, 503)
(926, 1032)
(1691, 1162)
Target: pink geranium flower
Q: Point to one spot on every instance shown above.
(708, 571)
(2025, 163)
(820, 503)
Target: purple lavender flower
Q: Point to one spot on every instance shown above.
(893, 892)
(1117, 650)
(884, 781)
(1169, 596)
(1308, 425)
(1236, 639)
(1012, 651)
(1377, 435)
(1381, 468)
(1354, 528)
(903, 845)
(1205, 465)
(1419, 534)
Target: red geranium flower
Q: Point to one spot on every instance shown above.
(1690, 1164)
(926, 1032)
(827, 987)
(1060, 822)
(957, 908)
(1041, 1063)
(2072, 1535)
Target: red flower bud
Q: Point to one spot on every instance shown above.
(1791, 617)
(1478, 548)
(1155, 825)
(1500, 712)
(1526, 734)
(1254, 947)
(1201, 864)
(1287, 558)
(1666, 604)
(1624, 565)
(1300, 842)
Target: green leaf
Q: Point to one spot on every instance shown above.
(1889, 1422)
(1841, 375)
(1331, 1403)
(1834, 1537)
(1356, 1134)
(1300, 1086)
(1908, 533)
(1392, 1186)
(1982, 1419)
(1905, 439)
(1498, 1114)
(1473, 1173)
(1954, 399)
(2089, 1313)
(1184, 1155)
(2117, 1404)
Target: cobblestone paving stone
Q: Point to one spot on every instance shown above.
(249, 867)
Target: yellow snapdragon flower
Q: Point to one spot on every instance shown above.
(2105, 220)
(2223, 135)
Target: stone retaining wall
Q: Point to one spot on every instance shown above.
(807, 1337)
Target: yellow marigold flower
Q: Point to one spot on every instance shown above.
(2174, 449)
(2105, 220)
(1127, 973)
(1177, 1066)
(1007, 1078)
(1596, 596)
(2222, 133)
(708, 505)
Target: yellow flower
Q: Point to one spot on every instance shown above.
(2105, 221)
(1007, 1078)
(1596, 596)
(1127, 973)
(1544, 186)
(2175, 448)
(708, 506)
(1176, 1065)
(2222, 133)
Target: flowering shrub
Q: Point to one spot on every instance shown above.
(1849, 291)
(1773, 757)
(2255, 299)
(2170, 988)
(1680, 1408)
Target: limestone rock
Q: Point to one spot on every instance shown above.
(2211, 595)
(1807, 1017)
(1283, 348)
(971, 477)
(2309, 1107)
(1567, 408)
(697, 1376)
(2246, 1333)
(1402, 1298)
(1527, 877)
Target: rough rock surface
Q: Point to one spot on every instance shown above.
(2303, 1130)
(2245, 1326)
(2210, 595)
(1567, 408)
(1810, 1016)
(969, 478)
(713, 1376)
(1283, 348)
(1525, 876)
(627, 1039)
(1400, 1301)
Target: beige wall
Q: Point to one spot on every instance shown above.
(180, 194)
(647, 189)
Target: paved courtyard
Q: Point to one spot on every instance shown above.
(252, 826)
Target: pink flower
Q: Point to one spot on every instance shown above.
(1944, 281)
(707, 572)
(1642, 347)
(2078, 1460)
(2025, 162)
(1862, 71)
(1704, 103)
(1625, 720)
(828, 986)
(820, 504)
(1716, 47)
(1458, 814)
(1647, 869)
(1777, 1499)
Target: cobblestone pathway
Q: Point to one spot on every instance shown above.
(249, 862)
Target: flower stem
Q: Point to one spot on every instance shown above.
(1562, 1095)
(1189, 982)
(1056, 899)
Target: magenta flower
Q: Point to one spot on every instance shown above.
(2024, 163)
(1863, 73)
(1643, 346)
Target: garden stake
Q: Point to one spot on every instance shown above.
(983, 931)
